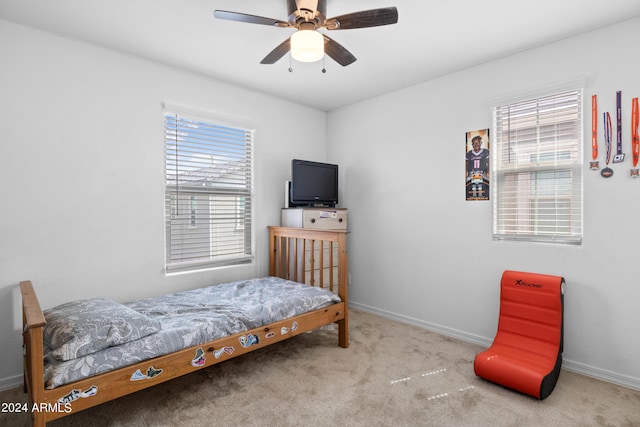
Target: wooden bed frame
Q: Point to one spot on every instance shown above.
(291, 249)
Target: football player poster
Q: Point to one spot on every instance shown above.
(477, 165)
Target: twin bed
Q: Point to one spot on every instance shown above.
(83, 353)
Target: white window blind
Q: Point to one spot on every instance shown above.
(208, 193)
(537, 169)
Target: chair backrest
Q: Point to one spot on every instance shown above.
(532, 312)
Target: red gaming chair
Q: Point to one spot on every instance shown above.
(526, 354)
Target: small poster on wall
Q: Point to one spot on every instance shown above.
(477, 164)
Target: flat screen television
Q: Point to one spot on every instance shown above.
(313, 184)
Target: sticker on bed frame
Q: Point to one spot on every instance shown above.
(199, 359)
(284, 330)
(151, 372)
(76, 394)
(219, 352)
(270, 334)
(247, 341)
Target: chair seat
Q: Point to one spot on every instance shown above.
(515, 368)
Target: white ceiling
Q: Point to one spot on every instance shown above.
(431, 38)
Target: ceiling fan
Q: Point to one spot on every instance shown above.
(307, 16)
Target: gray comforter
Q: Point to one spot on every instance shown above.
(196, 317)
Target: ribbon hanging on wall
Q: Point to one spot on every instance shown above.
(635, 138)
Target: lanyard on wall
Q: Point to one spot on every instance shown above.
(619, 157)
(635, 138)
(593, 165)
(607, 172)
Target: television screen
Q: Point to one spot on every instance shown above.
(313, 183)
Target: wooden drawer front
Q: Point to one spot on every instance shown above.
(324, 219)
(324, 280)
(329, 265)
(327, 255)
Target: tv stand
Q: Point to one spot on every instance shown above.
(320, 218)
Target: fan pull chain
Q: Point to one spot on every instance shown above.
(324, 69)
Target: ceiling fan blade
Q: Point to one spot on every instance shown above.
(277, 53)
(250, 19)
(337, 52)
(363, 19)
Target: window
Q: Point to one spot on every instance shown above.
(208, 191)
(537, 169)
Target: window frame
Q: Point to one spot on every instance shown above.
(213, 201)
(510, 229)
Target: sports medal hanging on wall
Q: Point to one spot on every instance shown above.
(635, 138)
(477, 165)
(607, 172)
(619, 157)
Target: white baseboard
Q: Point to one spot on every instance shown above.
(443, 330)
(569, 365)
(601, 374)
(11, 382)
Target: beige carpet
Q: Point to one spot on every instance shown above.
(391, 375)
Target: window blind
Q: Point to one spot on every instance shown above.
(537, 169)
(208, 193)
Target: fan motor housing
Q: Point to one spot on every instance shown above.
(303, 11)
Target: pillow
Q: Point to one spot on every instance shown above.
(83, 327)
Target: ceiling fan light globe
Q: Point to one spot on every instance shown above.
(307, 46)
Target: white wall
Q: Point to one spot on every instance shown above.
(82, 172)
(420, 253)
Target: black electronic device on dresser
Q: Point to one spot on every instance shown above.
(313, 184)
